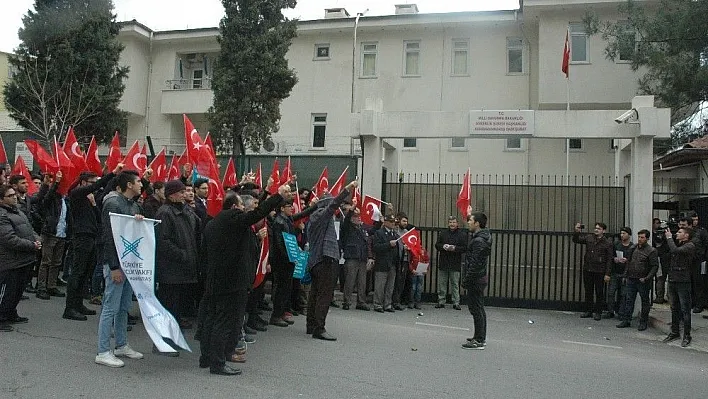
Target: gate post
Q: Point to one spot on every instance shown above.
(641, 184)
(372, 166)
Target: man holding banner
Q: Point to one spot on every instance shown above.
(117, 297)
(232, 255)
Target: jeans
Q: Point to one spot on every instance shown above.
(680, 295)
(416, 288)
(453, 278)
(97, 280)
(117, 299)
(633, 287)
(475, 304)
(593, 282)
(615, 293)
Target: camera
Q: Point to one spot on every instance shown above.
(582, 227)
(631, 116)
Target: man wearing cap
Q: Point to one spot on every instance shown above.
(385, 247)
(323, 261)
(178, 238)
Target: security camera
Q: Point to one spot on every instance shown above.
(631, 116)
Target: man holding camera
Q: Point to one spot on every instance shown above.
(597, 267)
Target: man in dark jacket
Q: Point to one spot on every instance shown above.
(57, 229)
(177, 239)
(682, 261)
(641, 268)
(597, 267)
(232, 255)
(451, 244)
(28, 205)
(154, 201)
(699, 280)
(85, 215)
(201, 193)
(354, 242)
(475, 280)
(323, 261)
(658, 241)
(385, 246)
(18, 247)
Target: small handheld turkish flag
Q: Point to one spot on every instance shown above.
(370, 210)
(412, 240)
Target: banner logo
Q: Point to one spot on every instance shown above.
(131, 248)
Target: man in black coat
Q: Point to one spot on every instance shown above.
(386, 249)
(54, 208)
(178, 237)
(232, 255)
(354, 241)
(451, 244)
(85, 215)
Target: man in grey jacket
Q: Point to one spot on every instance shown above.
(324, 257)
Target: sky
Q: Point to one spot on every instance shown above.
(184, 14)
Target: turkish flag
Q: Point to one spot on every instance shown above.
(259, 177)
(275, 175)
(182, 161)
(68, 169)
(194, 144)
(230, 177)
(114, 155)
(465, 195)
(21, 169)
(339, 184)
(215, 198)
(159, 166)
(412, 240)
(565, 66)
(3, 154)
(134, 159)
(357, 198)
(173, 172)
(287, 173)
(371, 210)
(73, 151)
(47, 163)
(262, 263)
(322, 184)
(210, 145)
(92, 161)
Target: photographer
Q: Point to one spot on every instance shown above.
(658, 241)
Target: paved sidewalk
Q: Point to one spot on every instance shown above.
(660, 318)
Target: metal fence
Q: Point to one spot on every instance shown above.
(534, 263)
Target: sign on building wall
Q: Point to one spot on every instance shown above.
(21, 150)
(502, 123)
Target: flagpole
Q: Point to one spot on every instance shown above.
(567, 140)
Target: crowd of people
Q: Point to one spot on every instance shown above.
(616, 271)
(206, 266)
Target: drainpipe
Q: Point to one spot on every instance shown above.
(351, 111)
(528, 104)
(149, 87)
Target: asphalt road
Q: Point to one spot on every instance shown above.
(399, 355)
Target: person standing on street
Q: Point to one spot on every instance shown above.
(641, 268)
(57, 228)
(18, 248)
(615, 289)
(451, 244)
(698, 277)
(682, 261)
(475, 280)
(385, 246)
(658, 241)
(354, 239)
(597, 267)
(323, 261)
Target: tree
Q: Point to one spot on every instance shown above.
(669, 48)
(251, 74)
(67, 70)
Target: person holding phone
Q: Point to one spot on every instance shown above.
(597, 264)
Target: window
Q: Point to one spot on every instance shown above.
(410, 143)
(514, 55)
(458, 142)
(322, 51)
(578, 43)
(460, 50)
(626, 42)
(319, 127)
(368, 59)
(411, 61)
(197, 78)
(575, 144)
(513, 144)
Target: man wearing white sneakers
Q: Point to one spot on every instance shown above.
(117, 297)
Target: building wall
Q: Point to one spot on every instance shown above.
(4, 75)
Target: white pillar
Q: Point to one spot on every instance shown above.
(372, 166)
(641, 184)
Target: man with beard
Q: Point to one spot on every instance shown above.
(597, 264)
(232, 255)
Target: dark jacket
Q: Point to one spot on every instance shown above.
(232, 248)
(200, 208)
(321, 230)
(682, 260)
(451, 260)
(17, 239)
(700, 240)
(151, 205)
(477, 257)
(50, 209)
(386, 255)
(353, 239)
(659, 242)
(644, 262)
(85, 216)
(114, 204)
(599, 253)
(177, 239)
(284, 224)
(618, 267)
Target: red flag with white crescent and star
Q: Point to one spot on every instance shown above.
(68, 170)
(262, 269)
(322, 184)
(133, 159)
(338, 186)
(370, 210)
(93, 162)
(159, 166)
(173, 173)
(465, 195)
(565, 65)
(20, 168)
(230, 177)
(73, 151)
(114, 154)
(275, 175)
(47, 163)
(412, 240)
